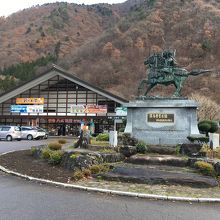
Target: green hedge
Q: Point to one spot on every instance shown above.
(103, 137)
(207, 126)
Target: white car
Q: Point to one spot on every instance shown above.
(10, 133)
(31, 133)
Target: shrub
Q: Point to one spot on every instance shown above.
(74, 155)
(55, 157)
(207, 126)
(45, 153)
(205, 168)
(217, 152)
(200, 140)
(141, 147)
(33, 150)
(205, 149)
(62, 141)
(77, 175)
(95, 169)
(104, 168)
(86, 173)
(54, 146)
(178, 147)
(103, 137)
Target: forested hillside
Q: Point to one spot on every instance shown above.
(106, 44)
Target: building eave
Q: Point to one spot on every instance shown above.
(54, 71)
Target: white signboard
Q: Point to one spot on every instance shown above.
(35, 108)
(121, 111)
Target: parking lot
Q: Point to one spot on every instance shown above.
(6, 146)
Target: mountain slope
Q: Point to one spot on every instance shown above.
(106, 44)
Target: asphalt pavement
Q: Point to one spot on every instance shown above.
(24, 200)
(21, 200)
(6, 146)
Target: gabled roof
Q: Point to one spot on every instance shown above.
(52, 72)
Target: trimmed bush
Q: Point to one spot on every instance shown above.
(205, 168)
(101, 168)
(54, 146)
(55, 157)
(200, 140)
(62, 141)
(95, 169)
(207, 126)
(78, 175)
(45, 153)
(103, 137)
(141, 147)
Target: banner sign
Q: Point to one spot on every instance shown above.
(34, 101)
(19, 108)
(160, 117)
(88, 109)
(27, 108)
(121, 111)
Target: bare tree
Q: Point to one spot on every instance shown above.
(208, 109)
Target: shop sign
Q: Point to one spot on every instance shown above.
(34, 101)
(27, 108)
(121, 111)
(53, 120)
(19, 108)
(88, 109)
(160, 117)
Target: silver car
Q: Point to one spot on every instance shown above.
(10, 133)
(31, 133)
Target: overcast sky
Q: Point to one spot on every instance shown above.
(10, 6)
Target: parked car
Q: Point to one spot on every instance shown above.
(10, 133)
(44, 130)
(31, 133)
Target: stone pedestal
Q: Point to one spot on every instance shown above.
(162, 121)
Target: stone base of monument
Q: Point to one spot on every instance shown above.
(162, 121)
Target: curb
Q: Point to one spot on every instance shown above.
(108, 191)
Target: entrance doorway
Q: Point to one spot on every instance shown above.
(33, 122)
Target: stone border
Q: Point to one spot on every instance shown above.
(108, 191)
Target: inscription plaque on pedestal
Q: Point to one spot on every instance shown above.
(160, 117)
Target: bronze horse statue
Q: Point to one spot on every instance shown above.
(163, 70)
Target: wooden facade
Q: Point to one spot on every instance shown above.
(60, 90)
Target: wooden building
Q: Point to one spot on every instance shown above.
(58, 99)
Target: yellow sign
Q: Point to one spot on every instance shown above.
(34, 101)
